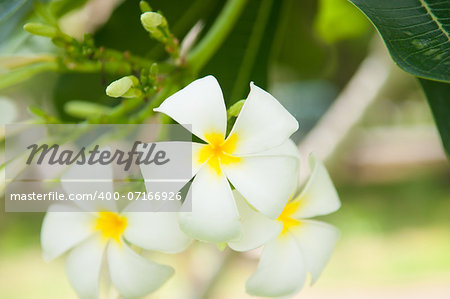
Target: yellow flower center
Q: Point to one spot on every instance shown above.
(218, 151)
(111, 225)
(286, 216)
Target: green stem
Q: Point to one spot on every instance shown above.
(126, 106)
(147, 111)
(208, 292)
(252, 48)
(201, 54)
(21, 74)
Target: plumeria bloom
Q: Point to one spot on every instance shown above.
(252, 157)
(293, 244)
(91, 237)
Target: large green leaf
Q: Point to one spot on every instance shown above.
(416, 32)
(438, 95)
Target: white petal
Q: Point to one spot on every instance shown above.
(214, 215)
(281, 270)
(156, 231)
(179, 157)
(287, 148)
(199, 104)
(319, 196)
(266, 182)
(92, 180)
(257, 229)
(83, 266)
(172, 178)
(132, 275)
(64, 227)
(263, 123)
(316, 240)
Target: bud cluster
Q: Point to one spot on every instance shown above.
(156, 24)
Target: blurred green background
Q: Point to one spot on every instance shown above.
(388, 165)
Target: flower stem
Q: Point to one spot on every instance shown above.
(208, 292)
(201, 54)
(253, 45)
(147, 111)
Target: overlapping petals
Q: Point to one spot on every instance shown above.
(214, 216)
(257, 229)
(297, 246)
(280, 270)
(256, 157)
(88, 237)
(318, 197)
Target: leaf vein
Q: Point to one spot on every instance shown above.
(426, 49)
(434, 17)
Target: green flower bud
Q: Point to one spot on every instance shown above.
(41, 29)
(221, 246)
(154, 69)
(144, 6)
(124, 87)
(84, 109)
(151, 21)
(234, 110)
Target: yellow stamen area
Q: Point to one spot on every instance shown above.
(286, 216)
(218, 151)
(111, 225)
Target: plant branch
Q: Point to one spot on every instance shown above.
(201, 54)
(252, 48)
(208, 292)
(25, 72)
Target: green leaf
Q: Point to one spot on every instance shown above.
(438, 95)
(41, 114)
(416, 32)
(37, 111)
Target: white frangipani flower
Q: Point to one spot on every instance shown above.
(251, 157)
(89, 236)
(293, 244)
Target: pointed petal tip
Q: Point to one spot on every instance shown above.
(47, 257)
(209, 77)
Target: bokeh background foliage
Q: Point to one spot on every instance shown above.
(389, 166)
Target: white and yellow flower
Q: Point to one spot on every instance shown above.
(88, 237)
(252, 157)
(293, 244)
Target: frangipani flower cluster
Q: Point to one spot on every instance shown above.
(253, 157)
(91, 236)
(293, 244)
(256, 159)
